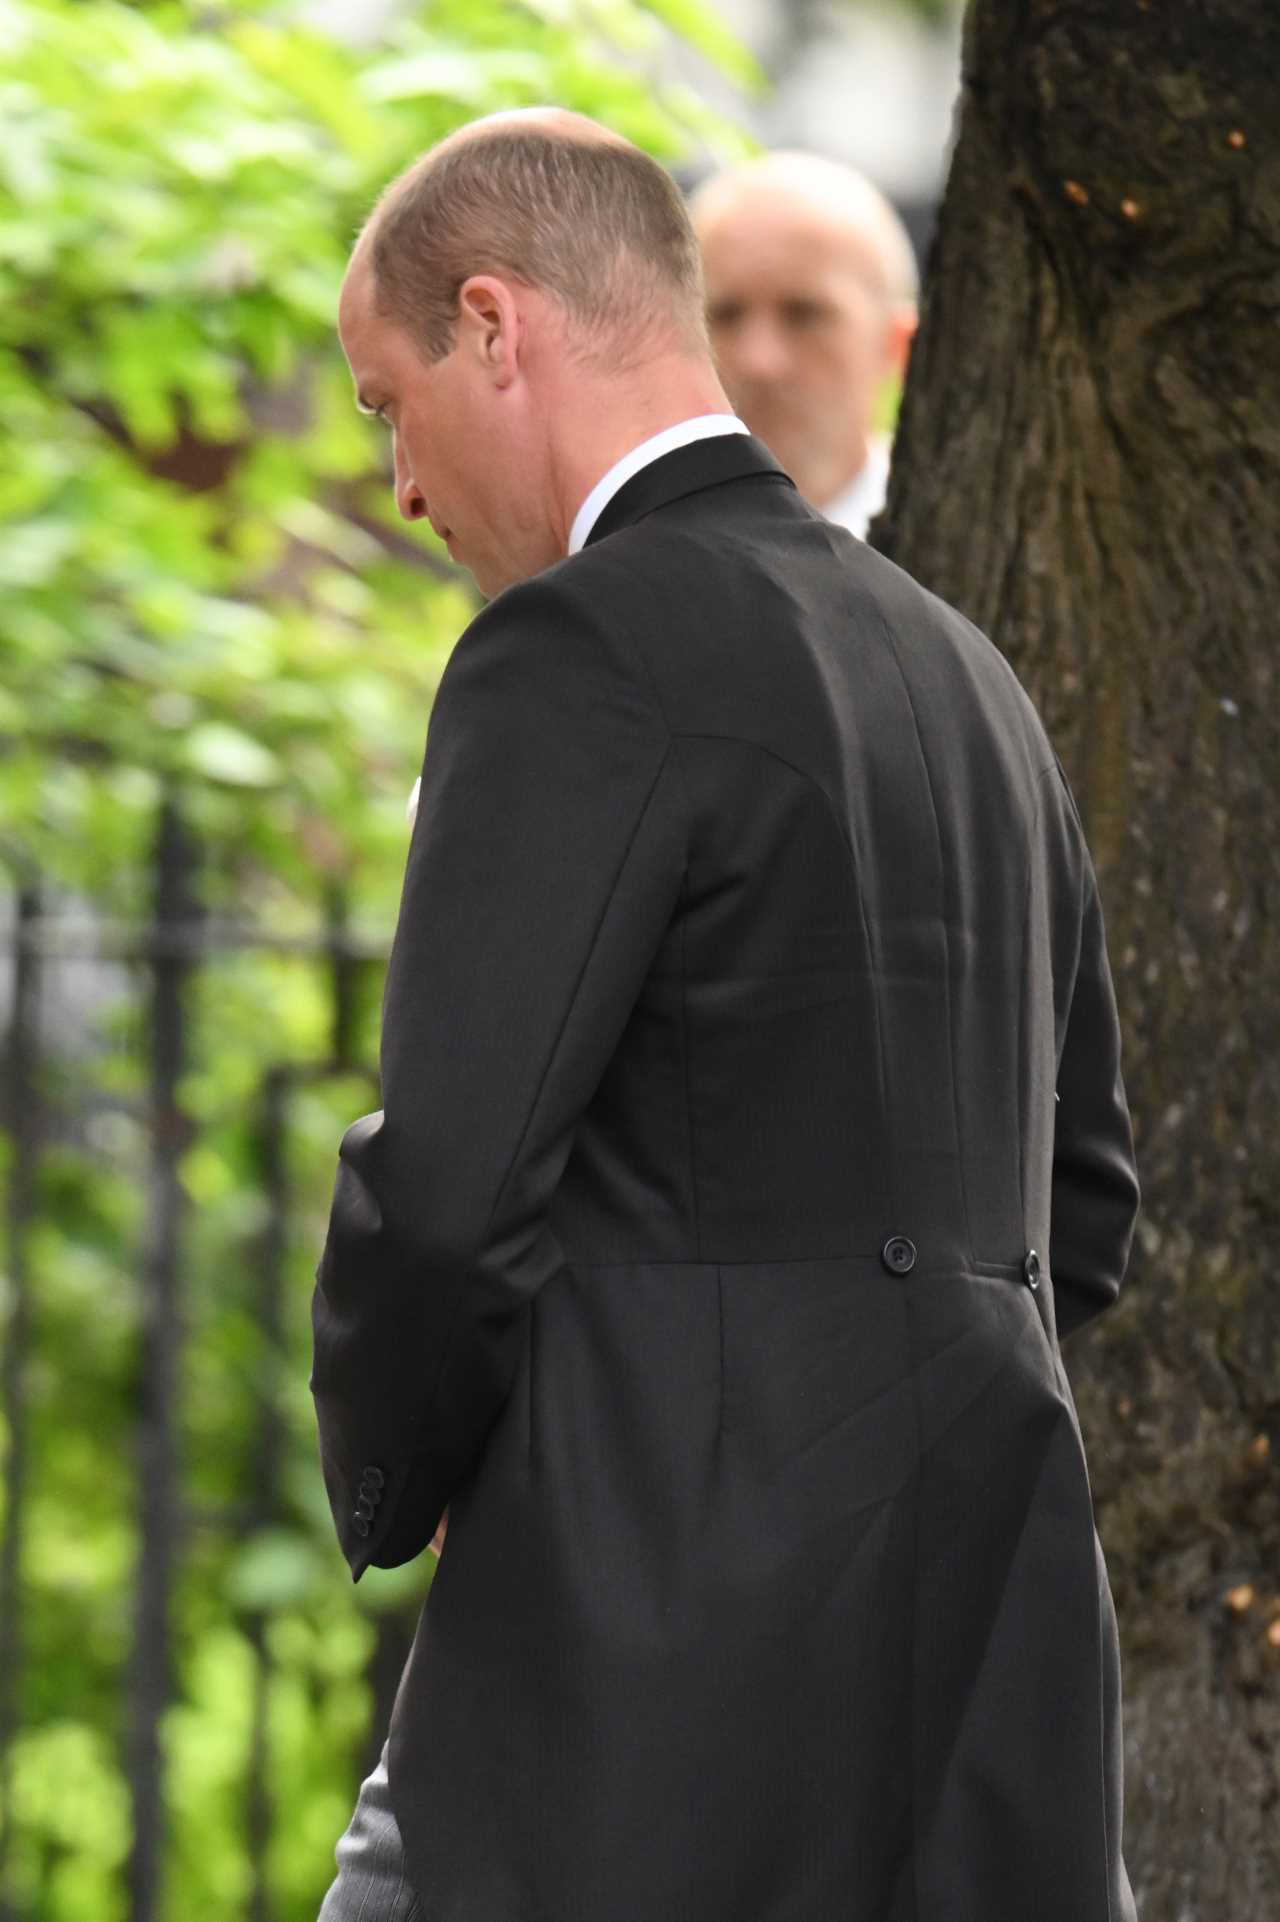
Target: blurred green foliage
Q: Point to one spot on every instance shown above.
(206, 592)
(932, 12)
(186, 592)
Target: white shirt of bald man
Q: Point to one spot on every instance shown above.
(857, 503)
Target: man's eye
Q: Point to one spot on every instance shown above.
(724, 314)
(802, 313)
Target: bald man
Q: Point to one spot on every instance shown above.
(811, 300)
(698, 1262)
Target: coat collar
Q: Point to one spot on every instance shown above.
(686, 470)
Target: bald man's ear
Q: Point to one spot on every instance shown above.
(489, 326)
(899, 334)
(903, 319)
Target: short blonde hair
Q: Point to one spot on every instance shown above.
(593, 222)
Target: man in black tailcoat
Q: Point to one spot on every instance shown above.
(752, 1133)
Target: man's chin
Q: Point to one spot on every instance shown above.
(488, 577)
(492, 576)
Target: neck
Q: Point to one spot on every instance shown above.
(600, 422)
(832, 482)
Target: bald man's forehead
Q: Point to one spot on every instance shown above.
(778, 234)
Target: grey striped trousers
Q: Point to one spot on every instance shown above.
(370, 1885)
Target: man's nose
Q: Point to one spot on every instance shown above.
(409, 497)
(758, 350)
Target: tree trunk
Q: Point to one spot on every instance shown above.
(1088, 464)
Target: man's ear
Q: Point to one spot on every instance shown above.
(489, 326)
(902, 327)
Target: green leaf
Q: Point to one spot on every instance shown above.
(275, 1567)
(225, 753)
(702, 28)
(470, 78)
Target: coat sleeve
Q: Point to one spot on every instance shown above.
(1095, 1195)
(545, 863)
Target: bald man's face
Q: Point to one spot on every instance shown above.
(804, 336)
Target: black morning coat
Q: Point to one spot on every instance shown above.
(710, 1255)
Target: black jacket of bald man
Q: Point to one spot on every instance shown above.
(753, 1132)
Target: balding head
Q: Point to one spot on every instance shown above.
(523, 308)
(561, 122)
(837, 196)
(811, 287)
(559, 203)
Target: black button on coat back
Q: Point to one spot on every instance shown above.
(898, 1255)
(747, 929)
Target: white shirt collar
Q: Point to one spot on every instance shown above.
(700, 427)
(863, 497)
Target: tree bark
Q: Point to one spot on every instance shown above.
(1088, 465)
